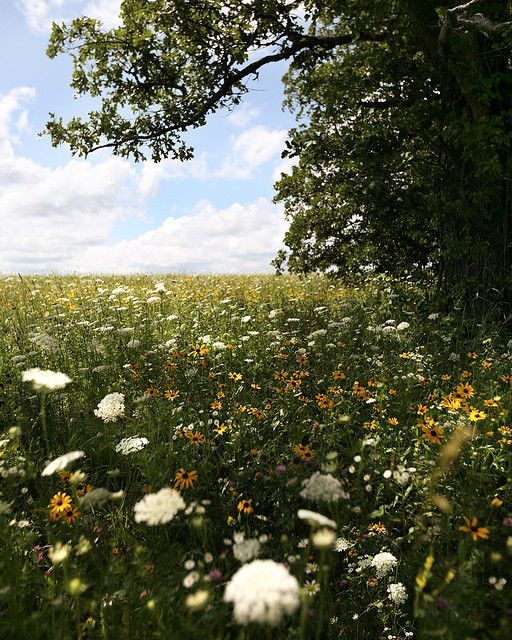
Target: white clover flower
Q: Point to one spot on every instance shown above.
(131, 444)
(159, 508)
(384, 562)
(322, 488)
(315, 519)
(45, 380)
(397, 593)
(60, 463)
(111, 407)
(262, 592)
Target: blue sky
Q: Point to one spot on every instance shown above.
(60, 214)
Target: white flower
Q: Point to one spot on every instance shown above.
(342, 544)
(131, 444)
(46, 379)
(384, 562)
(262, 592)
(322, 488)
(197, 600)
(97, 497)
(60, 463)
(397, 593)
(111, 407)
(158, 508)
(190, 579)
(323, 538)
(403, 326)
(314, 518)
(59, 552)
(245, 550)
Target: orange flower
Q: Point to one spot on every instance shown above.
(170, 394)
(195, 437)
(393, 421)
(304, 452)
(60, 502)
(474, 530)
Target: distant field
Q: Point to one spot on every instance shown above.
(209, 415)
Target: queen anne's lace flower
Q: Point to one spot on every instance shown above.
(262, 592)
(384, 562)
(45, 379)
(245, 550)
(159, 508)
(60, 463)
(321, 488)
(397, 593)
(111, 407)
(131, 444)
(315, 519)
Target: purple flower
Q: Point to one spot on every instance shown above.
(442, 603)
(280, 469)
(507, 522)
(215, 574)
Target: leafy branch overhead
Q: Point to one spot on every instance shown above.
(171, 64)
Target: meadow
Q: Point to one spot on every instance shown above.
(251, 457)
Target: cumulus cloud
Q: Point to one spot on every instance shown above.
(50, 213)
(39, 14)
(285, 165)
(60, 218)
(250, 150)
(244, 114)
(239, 238)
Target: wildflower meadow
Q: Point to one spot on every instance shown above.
(245, 457)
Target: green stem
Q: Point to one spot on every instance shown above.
(42, 397)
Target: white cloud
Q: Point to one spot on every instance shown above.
(285, 165)
(49, 214)
(60, 218)
(250, 150)
(240, 238)
(39, 14)
(243, 115)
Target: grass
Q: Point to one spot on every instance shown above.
(251, 385)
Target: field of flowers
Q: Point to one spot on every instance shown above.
(251, 457)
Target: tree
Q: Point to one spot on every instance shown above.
(404, 141)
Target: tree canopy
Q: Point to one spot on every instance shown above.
(404, 118)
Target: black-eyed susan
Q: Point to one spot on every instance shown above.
(475, 414)
(433, 433)
(70, 515)
(171, 394)
(245, 506)
(474, 530)
(304, 452)
(195, 437)
(184, 479)
(59, 503)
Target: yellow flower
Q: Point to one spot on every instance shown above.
(195, 437)
(221, 429)
(304, 452)
(184, 479)
(496, 502)
(245, 506)
(393, 421)
(474, 530)
(170, 394)
(70, 515)
(475, 415)
(59, 503)
(433, 433)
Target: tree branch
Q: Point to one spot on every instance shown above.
(305, 42)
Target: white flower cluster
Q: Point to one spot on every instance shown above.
(245, 550)
(45, 380)
(315, 519)
(111, 407)
(60, 463)
(397, 593)
(158, 508)
(262, 592)
(322, 488)
(131, 444)
(384, 562)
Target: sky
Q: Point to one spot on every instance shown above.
(61, 214)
